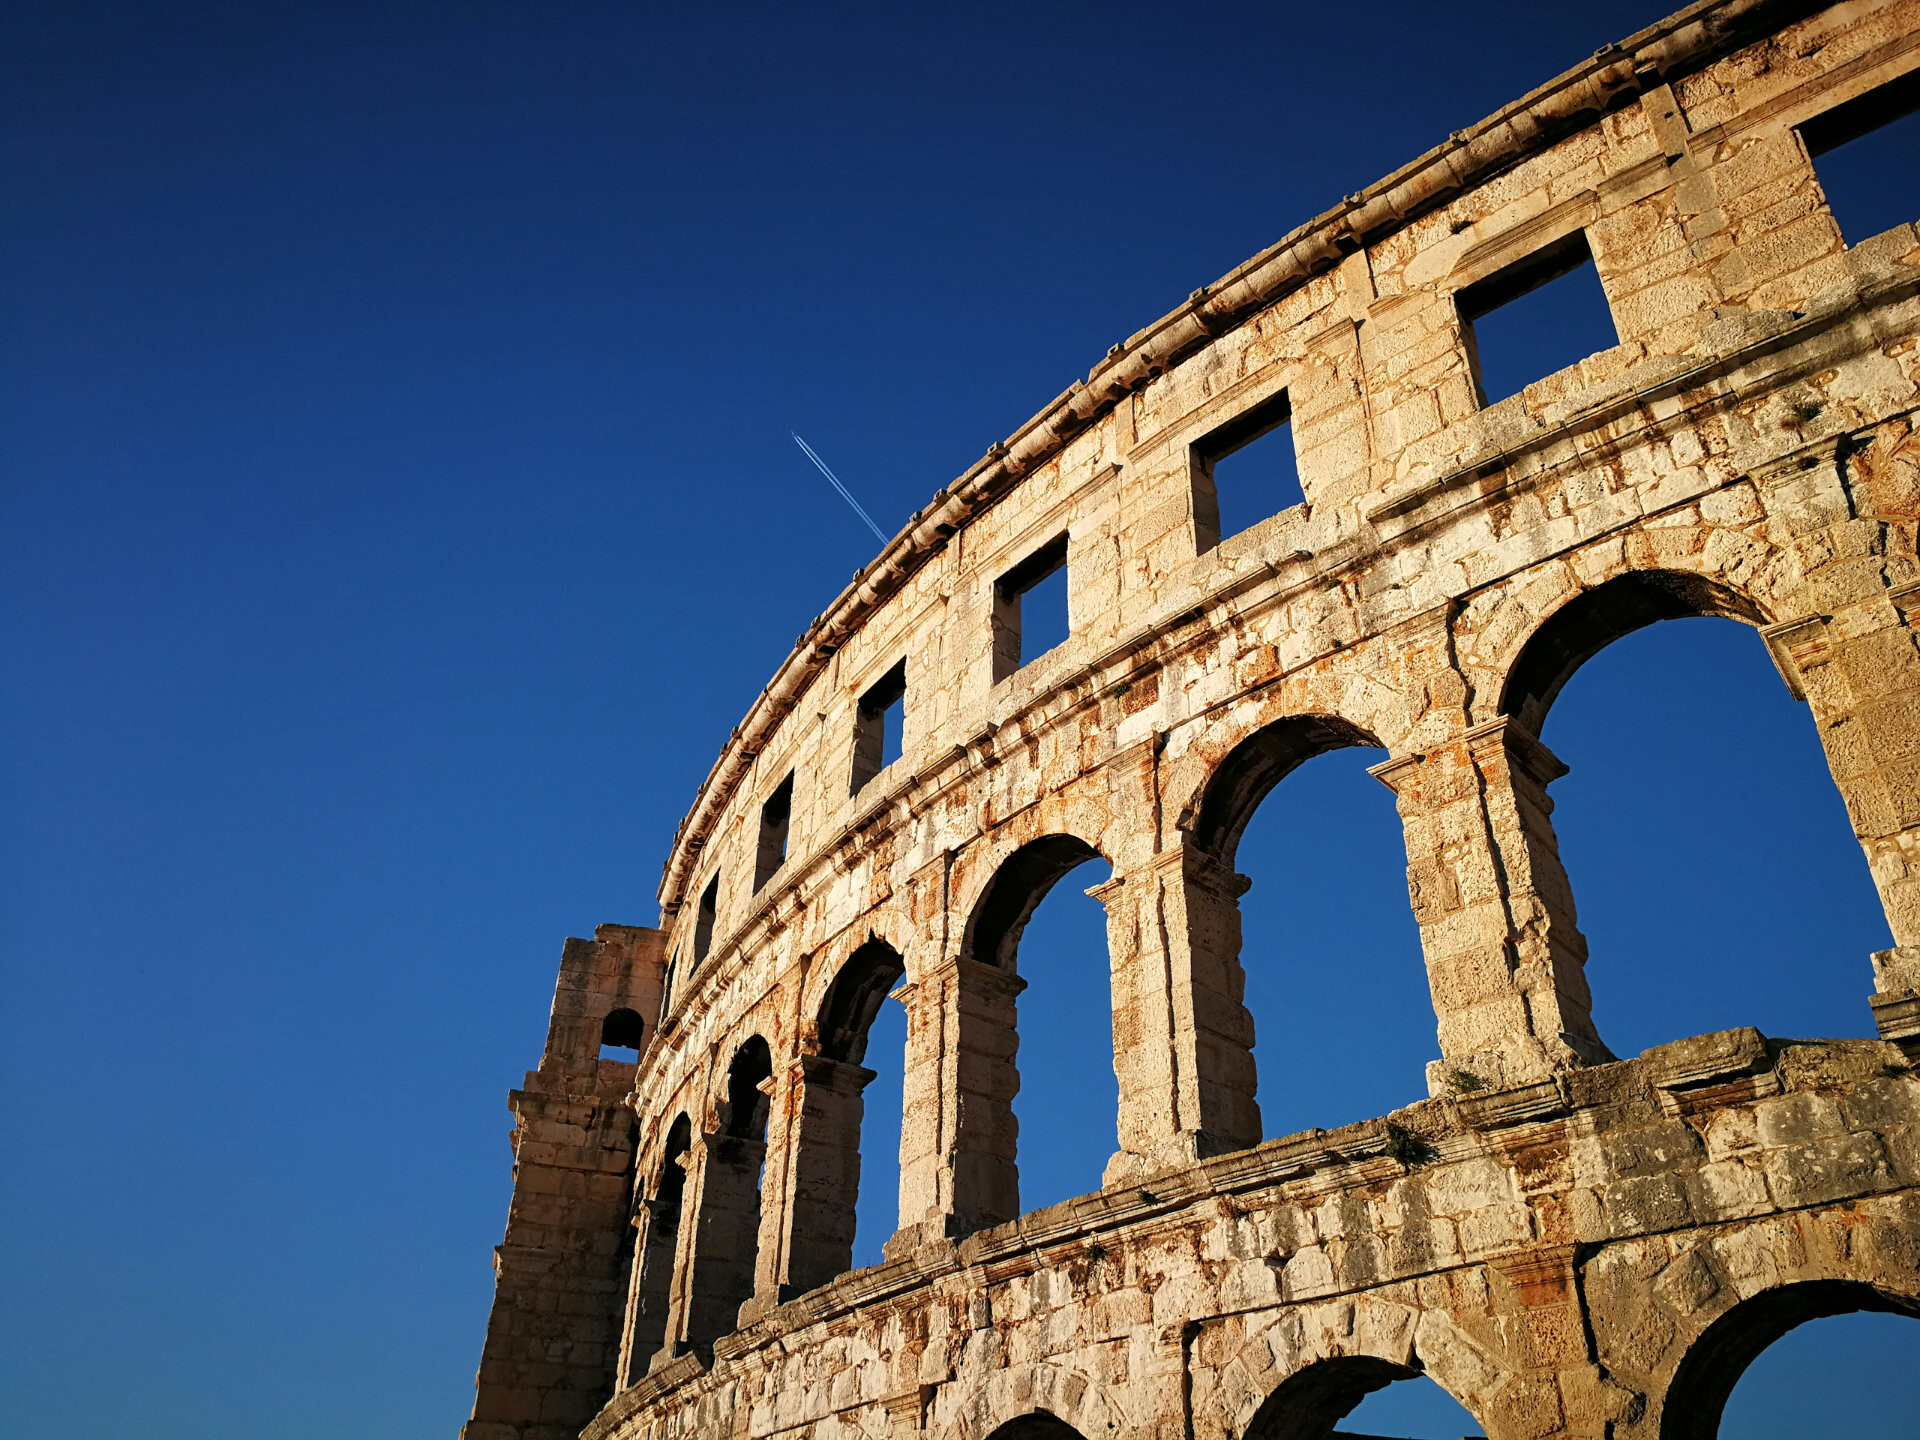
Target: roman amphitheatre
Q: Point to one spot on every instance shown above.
(1569, 1241)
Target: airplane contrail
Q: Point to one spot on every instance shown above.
(835, 481)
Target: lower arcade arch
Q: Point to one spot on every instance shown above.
(1065, 999)
(1037, 1425)
(1715, 1363)
(826, 1184)
(1331, 1399)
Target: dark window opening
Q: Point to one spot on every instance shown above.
(1868, 158)
(1030, 608)
(703, 921)
(654, 1288)
(774, 816)
(1260, 475)
(1535, 318)
(880, 719)
(622, 1036)
(666, 984)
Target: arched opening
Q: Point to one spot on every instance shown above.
(1038, 1137)
(1363, 1397)
(622, 1036)
(1322, 942)
(1748, 1378)
(660, 1225)
(829, 1197)
(727, 1243)
(1718, 879)
(1039, 1425)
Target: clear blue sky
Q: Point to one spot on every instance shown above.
(398, 512)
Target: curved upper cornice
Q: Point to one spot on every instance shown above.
(1614, 75)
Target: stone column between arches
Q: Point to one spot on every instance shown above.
(958, 1135)
(816, 1223)
(1506, 962)
(1182, 1037)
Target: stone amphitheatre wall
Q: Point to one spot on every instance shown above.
(1572, 1244)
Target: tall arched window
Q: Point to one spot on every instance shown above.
(726, 1246)
(1322, 934)
(653, 1284)
(1044, 977)
(829, 1195)
(1717, 877)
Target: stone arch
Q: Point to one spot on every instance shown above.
(1014, 891)
(853, 997)
(1593, 619)
(1296, 1377)
(1713, 1363)
(726, 1241)
(660, 1204)
(825, 1183)
(1214, 820)
(1249, 772)
(1065, 1396)
(984, 986)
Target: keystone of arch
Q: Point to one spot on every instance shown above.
(1341, 1329)
(1068, 1395)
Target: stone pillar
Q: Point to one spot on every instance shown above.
(725, 1239)
(1182, 1037)
(651, 1290)
(824, 1165)
(958, 1137)
(1859, 671)
(1505, 958)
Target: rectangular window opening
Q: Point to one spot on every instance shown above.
(1245, 471)
(1867, 156)
(879, 721)
(1535, 318)
(774, 816)
(703, 920)
(1030, 608)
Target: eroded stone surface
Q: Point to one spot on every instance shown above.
(1572, 1244)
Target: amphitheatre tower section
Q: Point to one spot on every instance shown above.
(1571, 1242)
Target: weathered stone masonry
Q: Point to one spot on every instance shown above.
(1572, 1244)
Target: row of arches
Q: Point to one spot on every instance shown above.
(1050, 1112)
(1814, 1358)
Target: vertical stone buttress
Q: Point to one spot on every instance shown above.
(958, 1172)
(561, 1274)
(1506, 962)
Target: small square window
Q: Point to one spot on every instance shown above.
(1244, 472)
(1867, 155)
(1030, 608)
(774, 817)
(1535, 318)
(878, 722)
